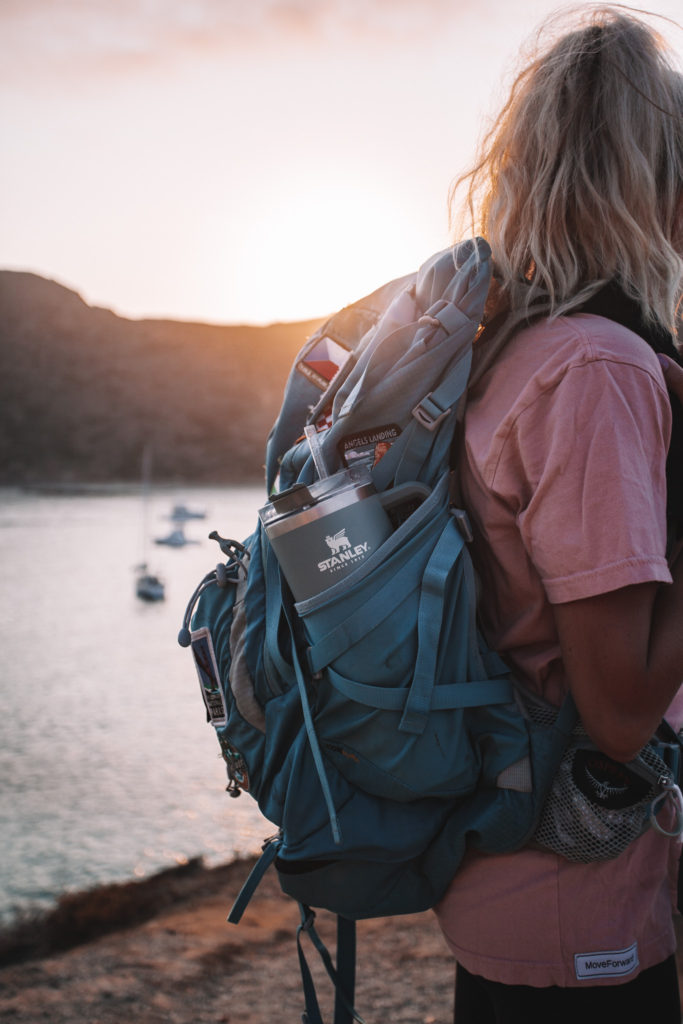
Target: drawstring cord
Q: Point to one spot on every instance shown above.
(223, 575)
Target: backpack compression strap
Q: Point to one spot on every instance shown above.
(343, 977)
(422, 696)
(408, 454)
(276, 586)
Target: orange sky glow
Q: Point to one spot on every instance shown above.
(243, 162)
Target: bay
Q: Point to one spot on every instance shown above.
(108, 769)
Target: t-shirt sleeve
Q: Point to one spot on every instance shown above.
(584, 467)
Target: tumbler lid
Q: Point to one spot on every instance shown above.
(301, 501)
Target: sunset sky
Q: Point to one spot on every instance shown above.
(243, 160)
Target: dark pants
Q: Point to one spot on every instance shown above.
(652, 996)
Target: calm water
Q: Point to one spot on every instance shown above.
(108, 769)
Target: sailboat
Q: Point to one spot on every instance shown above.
(176, 538)
(181, 513)
(148, 586)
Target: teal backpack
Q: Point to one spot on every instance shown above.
(369, 720)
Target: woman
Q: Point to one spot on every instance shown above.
(579, 192)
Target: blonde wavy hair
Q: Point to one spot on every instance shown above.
(579, 180)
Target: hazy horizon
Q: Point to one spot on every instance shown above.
(220, 162)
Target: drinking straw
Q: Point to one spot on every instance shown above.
(316, 447)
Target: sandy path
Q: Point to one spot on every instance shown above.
(186, 965)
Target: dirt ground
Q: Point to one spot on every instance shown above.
(180, 962)
(186, 965)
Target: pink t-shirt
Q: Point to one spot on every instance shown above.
(564, 480)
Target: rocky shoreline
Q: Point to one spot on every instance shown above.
(160, 952)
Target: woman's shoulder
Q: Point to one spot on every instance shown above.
(543, 355)
(570, 362)
(581, 338)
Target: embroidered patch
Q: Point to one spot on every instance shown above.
(367, 446)
(209, 678)
(611, 964)
(322, 363)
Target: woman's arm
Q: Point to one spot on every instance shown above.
(623, 652)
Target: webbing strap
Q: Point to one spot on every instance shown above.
(345, 990)
(276, 605)
(315, 747)
(273, 613)
(444, 397)
(425, 695)
(410, 450)
(370, 614)
(474, 693)
(259, 869)
(429, 621)
(475, 662)
(343, 977)
(386, 345)
(312, 1014)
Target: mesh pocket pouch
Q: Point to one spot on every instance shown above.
(597, 806)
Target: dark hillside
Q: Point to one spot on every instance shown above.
(83, 390)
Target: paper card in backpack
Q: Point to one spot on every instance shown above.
(209, 678)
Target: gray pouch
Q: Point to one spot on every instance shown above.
(597, 806)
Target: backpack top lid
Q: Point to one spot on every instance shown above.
(386, 356)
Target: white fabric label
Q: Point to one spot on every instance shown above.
(611, 964)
